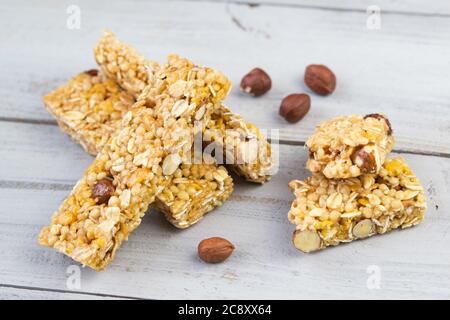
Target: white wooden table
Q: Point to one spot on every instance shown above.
(401, 70)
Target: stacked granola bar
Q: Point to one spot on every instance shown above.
(355, 191)
(137, 117)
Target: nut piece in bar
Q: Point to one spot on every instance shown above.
(349, 146)
(90, 108)
(254, 166)
(139, 159)
(327, 212)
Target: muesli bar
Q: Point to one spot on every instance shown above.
(187, 199)
(348, 146)
(242, 144)
(90, 108)
(327, 212)
(125, 65)
(136, 164)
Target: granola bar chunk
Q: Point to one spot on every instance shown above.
(123, 63)
(349, 146)
(327, 212)
(186, 200)
(243, 144)
(89, 108)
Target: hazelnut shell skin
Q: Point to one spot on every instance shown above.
(320, 79)
(215, 249)
(103, 190)
(257, 82)
(295, 106)
(380, 117)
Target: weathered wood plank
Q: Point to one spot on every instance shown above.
(160, 262)
(400, 70)
(9, 293)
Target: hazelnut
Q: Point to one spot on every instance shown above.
(256, 82)
(365, 159)
(306, 240)
(92, 72)
(363, 228)
(295, 106)
(103, 190)
(215, 250)
(320, 79)
(380, 117)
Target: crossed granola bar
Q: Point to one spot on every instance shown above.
(90, 109)
(139, 159)
(90, 106)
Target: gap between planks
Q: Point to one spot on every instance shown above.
(281, 4)
(103, 295)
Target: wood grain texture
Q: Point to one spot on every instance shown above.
(160, 261)
(401, 70)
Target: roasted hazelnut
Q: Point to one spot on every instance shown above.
(256, 82)
(215, 250)
(294, 107)
(365, 160)
(320, 79)
(103, 190)
(380, 116)
(92, 72)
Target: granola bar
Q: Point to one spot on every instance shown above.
(90, 108)
(136, 164)
(348, 146)
(327, 212)
(123, 63)
(244, 143)
(187, 199)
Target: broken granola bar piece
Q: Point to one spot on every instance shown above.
(349, 146)
(328, 212)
